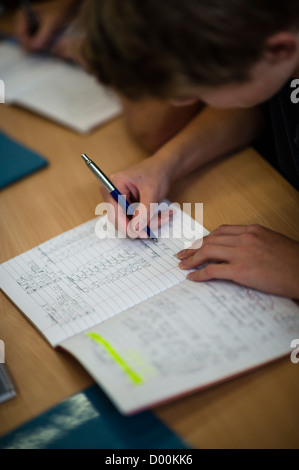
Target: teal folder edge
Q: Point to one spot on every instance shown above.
(17, 161)
(89, 420)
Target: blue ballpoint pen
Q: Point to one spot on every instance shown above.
(114, 192)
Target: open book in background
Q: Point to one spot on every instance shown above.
(56, 89)
(124, 309)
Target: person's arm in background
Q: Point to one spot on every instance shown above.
(53, 17)
(211, 133)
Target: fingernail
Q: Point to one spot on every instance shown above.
(181, 254)
(182, 265)
(190, 276)
(140, 225)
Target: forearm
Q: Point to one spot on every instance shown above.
(153, 122)
(211, 134)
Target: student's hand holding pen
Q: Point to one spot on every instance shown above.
(144, 183)
(52, 16)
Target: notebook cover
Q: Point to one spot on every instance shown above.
(89, 420)
(17, 161)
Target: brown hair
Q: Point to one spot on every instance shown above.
(152, 47)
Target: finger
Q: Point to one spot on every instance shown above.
(139, 220)
(224, 235)
(213, 271)
(214, 238)
(22, 28)
(225, 240)
(144, 215)
(186, 253)
(137, 226)
(196, 244)
(191, 250)
(136, 229)
(231, 230)
(116, 214)
(143, 210)
(206, 254)
(161, 219)
(133, 226)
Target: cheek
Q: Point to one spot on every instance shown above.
(227, 100)
(237, 98)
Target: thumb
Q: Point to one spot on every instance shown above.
(142, 215)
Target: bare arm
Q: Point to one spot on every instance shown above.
(210, 134)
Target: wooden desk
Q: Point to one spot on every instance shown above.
(257, 410)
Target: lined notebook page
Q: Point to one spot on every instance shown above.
(58, 90)
(76, 280)
(188, 337)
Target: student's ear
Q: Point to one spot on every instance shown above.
(280, 47)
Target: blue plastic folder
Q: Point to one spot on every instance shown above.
(17, 161)
(88, 420)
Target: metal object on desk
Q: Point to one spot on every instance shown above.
(7, 384)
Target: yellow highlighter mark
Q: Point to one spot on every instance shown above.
(135, 378)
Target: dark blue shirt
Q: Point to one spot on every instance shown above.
(283, 151)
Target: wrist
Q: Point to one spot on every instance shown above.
(182, 155)
(295, 288)
(167, 163)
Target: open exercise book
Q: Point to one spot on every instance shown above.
(125, 310)
(56, 89)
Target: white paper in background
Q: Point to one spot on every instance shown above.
(56, 89)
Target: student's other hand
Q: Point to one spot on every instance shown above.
(146, 182)
(252, 255)
(53, 16)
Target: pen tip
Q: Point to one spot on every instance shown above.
(85, 158)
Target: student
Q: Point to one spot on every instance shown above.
(232, 54)
(151, 122)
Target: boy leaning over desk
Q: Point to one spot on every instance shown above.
(232, 56)
(154, 122)
(151, 122)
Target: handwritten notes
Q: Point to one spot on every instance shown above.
(124, 309)
(187, 337)
(76, 280)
